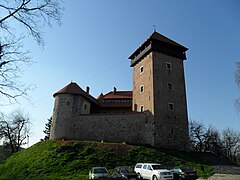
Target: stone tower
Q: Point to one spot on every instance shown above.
(159, 88)
(70, 101)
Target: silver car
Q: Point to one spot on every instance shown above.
(98, 172)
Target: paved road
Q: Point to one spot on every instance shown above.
(224, 177)
(227, 169)
(226, 172)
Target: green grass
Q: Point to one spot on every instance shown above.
(73, 159)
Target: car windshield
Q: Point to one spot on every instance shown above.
(155, 167)
(126, 170)
(100, 170)
(186, 169)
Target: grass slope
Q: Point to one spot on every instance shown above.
(73, 159)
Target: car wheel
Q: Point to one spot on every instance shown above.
(155, 177)
(139, 176)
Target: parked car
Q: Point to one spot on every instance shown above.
(98, 172)
(153, 171)
(125, 172)
(184, 173)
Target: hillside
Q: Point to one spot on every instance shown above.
(4, 153)
(73, 159)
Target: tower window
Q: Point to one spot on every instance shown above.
(170, 106)
(169, 66)
(142, 108)
(141, 88)
(169, 86)
(141, 69)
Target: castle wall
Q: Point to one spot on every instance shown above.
(134, 128)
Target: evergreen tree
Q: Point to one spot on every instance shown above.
(47, 129)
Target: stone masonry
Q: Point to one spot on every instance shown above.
(159, 107)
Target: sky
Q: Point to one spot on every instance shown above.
(93, 44)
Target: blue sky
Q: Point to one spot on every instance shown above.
(93, 44)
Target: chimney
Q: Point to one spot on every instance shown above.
(114, 90)
(87, 89)
(100, 98)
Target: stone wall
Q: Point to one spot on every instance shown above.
(171, 125)
(145, 79)
(134, 128)
(61, 118)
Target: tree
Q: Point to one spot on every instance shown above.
(212, 141)
(30, 16)
(14, 129)
(231, 143)
(47, 129)
(237, 80)
(197, 135)
(204, 139)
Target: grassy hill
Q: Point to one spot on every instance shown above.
(73, 159)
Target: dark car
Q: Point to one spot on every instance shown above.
(184, 173)
(125, 172)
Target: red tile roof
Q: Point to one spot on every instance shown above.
(73, 88)
(118, 95)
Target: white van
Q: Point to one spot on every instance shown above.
(152, 171)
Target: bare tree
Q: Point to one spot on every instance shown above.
(11, 62)
(212, 141)
(237, 80)
(30, 16)
(14, 129)
(197, 135)
(231, 143)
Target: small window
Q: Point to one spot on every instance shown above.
(144, 166)
(169, 86)
(141, 69)
(138, 166)
(170, 106)
(141, 88)
(142, 108)
(169, 66)
(85, 106)
(149, 168)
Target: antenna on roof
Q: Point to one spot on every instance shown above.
(154, 28)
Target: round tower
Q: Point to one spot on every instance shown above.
(69, 102)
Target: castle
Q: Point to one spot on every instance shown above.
(154, 112)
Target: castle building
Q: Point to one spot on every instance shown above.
(154, 112)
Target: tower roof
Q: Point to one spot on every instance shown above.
(160, 37)
(158, 42)
(73, 88)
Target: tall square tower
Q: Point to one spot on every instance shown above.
(159, 88)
